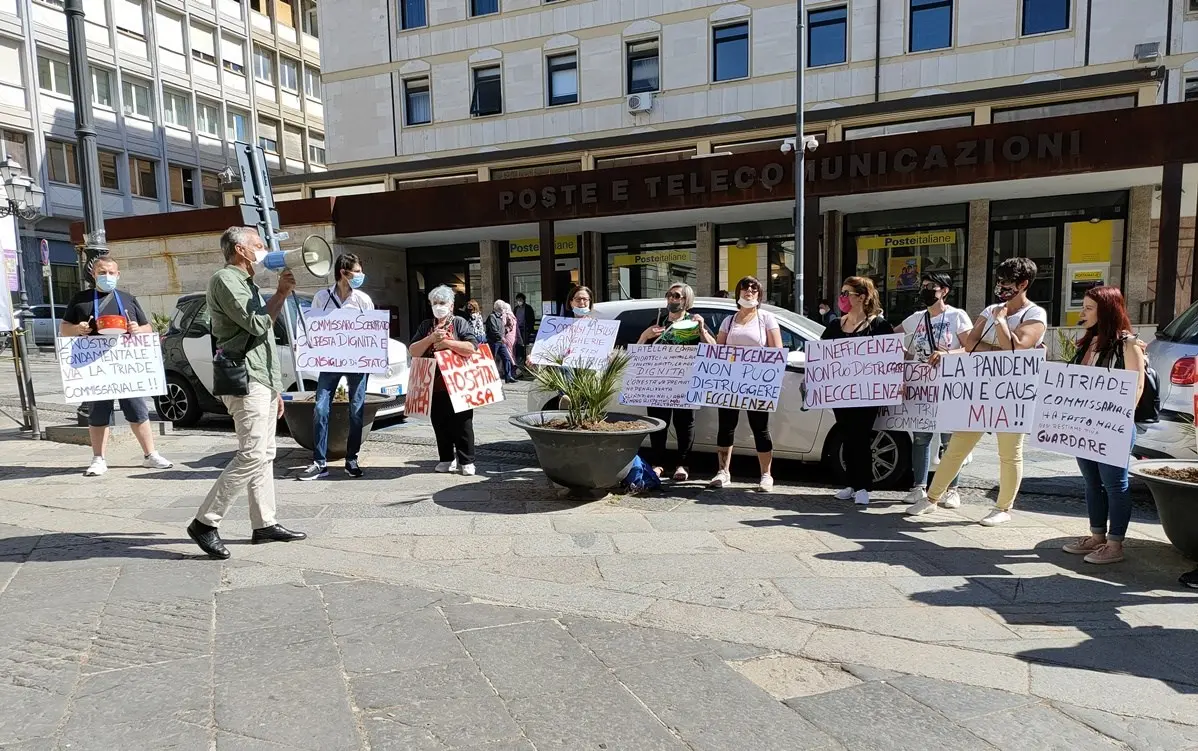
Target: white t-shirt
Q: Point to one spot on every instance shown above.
(751, 334)
(326, 299)
(1030, 312)
(946, 331)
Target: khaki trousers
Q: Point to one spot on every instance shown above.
(1010, 465)
(255, 417)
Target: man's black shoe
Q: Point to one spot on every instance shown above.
(208, 539)
(276, 533)
(352, 469)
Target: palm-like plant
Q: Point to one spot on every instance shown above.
(1066, 346)
(586, 391)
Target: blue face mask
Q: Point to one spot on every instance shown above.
(582, 311)
(357, 280)
(106, 282)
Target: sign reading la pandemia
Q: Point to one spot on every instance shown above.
(989, 392)
(344, 340)
(748, 378)
(863, 371)
(95, 368)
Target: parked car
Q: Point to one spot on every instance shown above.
(187, 357)
(45, 328)
(1173, 354)
(809, 436)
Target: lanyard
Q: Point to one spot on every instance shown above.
(96, 306)
(333, 298)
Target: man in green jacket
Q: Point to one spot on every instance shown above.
(243, 327)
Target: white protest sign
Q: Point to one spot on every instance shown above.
(917, 412)
(658, 375)
(96, 368)
(471, 381)
(989, 392)
(737, 377)
(421, 375)
(860, 371)
(576, 342)
(346, 340)
(1086, 412)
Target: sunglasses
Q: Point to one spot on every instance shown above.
(674, 296)
(846, 293)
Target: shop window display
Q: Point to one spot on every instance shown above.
(641, 265)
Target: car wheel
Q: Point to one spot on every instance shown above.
(179, 404)
(891, 458)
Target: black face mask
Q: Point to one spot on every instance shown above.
(1004, 292)
(928, 297)
(674, 306)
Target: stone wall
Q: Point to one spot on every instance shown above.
(1185, 262)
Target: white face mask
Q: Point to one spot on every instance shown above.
(745, 302)
(441, 311)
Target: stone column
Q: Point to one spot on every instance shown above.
(833, 261)
(1140, 261)
(977, 256)
(489, 265)
(705, 253)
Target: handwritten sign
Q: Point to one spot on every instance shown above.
(96, 368)
(658, 375)
(421, 374)
(345, 340)
(576, 342)
(989, 392)
(917, 412)
(861, 371)
(737, 377)
(1086, 412)
(471, 381)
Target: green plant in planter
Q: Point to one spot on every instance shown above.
(160, 323)
(1066, 346)
(586, 393)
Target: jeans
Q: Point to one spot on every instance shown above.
(454, 430)
(921, 457)
(326, 386)
(1010, 466)
(759, 423)
(684, 428)
(255, 417)
(1107, 497)
(503, 360)
(856, 424)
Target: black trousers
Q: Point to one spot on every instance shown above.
(684, 428)
(856, 425)
(759, 423)
(454, 430)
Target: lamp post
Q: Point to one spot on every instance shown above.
(23, 199)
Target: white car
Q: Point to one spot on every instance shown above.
(187, 358)
(45, 328)
(809, 436)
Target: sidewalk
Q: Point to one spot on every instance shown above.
(442, 612)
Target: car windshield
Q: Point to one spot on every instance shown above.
(1183, 329)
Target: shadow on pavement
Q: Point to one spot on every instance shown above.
(59, 547)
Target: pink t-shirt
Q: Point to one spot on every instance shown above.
(751, 334)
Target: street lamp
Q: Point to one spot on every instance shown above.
(23, 199)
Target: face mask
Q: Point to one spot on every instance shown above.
(823, 310)
(357, 280)
(928, 297)
(259, 257)
(581, 311)
(845, 304)
(519, 304)
(745, 302)
(674, 307)
(106, 282)
(1005, 293)
(441, 311)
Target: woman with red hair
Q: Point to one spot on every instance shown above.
(1107, 343)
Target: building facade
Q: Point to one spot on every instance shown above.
(173, 84)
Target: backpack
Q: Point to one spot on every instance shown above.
(494, 328)
(1148, 409)
(640, 477)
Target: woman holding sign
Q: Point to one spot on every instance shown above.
(454, 430)
(678, 328)
(861, 315)
(1107, 343)
(749, 327)
(1014, 323)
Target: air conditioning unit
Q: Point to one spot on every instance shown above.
(640, 102)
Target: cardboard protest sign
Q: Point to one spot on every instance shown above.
(989, 392)
(917, 412)
(471, 381)
(737, 377)
(345, 340)
(577, 342)
(95, 368)
(421, 374)
(860, 371)
(1086, 412)
(658, 375)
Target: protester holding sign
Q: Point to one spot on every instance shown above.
(936, 329)
(454, 430)
(678, 327)
(861, 311)
(1107, 343)
(103, 310)
(344, 295)
(749, 327)
(1014, 323)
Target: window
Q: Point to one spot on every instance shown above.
(730, 52)
(289, 74)
(53, 76)
(182, 181)
(1044, 16)
(412, 14)
(1192, 83)
(202, 46)
(143, 177)
(827, 36)
(136, 98)
(316, 148)
(210, 187)
(232, 54)
(563, 79)
(308, 19)
(130, 18)
(60, 158)
(487, 98)
(176, 109)
(284, 14)
(931, 25)
(264, 65)
(1064, 108)
(109, 180)
(293, 143)
(235, 126)
(14, 145)
(418, 107)
(312, 82)
(644, 73)
(208, 119)
(169, 31)
(908, 126)
(1193, 6)
(268, 136)
(483, 7)
(101, 87)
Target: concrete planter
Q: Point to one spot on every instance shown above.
(299, 409)
(587, 462)
(1176, 503)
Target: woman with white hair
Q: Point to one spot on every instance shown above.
(501, 335)
(454, 430)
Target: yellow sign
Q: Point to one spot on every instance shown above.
(890, 242)
(644, 259)
(1088, 276)
(903, 273)
(1090, 242)
(567, 245)
(742, 262)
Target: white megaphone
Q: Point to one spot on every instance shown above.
(314, 256)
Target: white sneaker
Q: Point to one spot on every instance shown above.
(766, 484)
(681, 475)
(995, 518)
(916, 495)
(467, 470)
(861, 498)
(921, 507)
(156, 460)
(444, 467)
(97, 467)
(951, 499)
(845, 495)
(721, 480)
